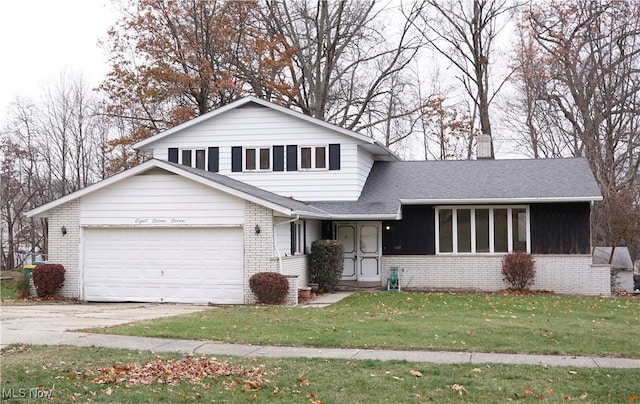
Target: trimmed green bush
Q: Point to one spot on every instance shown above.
(48, 279)
(326, 263)
(269, 287)
(518, 270)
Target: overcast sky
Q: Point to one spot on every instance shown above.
(39, 38)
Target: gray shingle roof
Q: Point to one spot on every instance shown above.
(289, 203)
(469, 181)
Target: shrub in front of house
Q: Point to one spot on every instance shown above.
(269, 287)
(518, 270)
(48, 279)
(326, 263)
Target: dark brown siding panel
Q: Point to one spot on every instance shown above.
(413, 235)
(327, 230)
(560, 228)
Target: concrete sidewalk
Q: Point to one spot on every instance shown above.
(244, 350)
(55, 325)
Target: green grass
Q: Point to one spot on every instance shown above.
(69, 374)
(543, 324)
(9, 289)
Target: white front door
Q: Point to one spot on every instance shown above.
(362, 244)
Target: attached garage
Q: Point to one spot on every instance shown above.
(180, 265)
(162, 232)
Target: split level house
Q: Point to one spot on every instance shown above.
(248, 187)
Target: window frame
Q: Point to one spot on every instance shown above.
(258, 159)
(193, 151)
(454, 230)
(314, 161)
(299, 238)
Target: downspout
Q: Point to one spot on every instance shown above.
(275, 238)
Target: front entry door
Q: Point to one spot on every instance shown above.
(362, 250)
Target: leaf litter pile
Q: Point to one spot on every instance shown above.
(171, 372)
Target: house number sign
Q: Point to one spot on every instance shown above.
(159, 220)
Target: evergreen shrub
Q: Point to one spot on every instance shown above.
(326, 263)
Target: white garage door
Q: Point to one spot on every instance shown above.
(182, 265)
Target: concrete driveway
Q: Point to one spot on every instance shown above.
(47, 323)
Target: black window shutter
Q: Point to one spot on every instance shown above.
(173, 154)
(214, 159)
(278, 158)
(293, 237)
(304, 236)
(292, 158)
(236, 159)
(334, 157)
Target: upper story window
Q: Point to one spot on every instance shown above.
(193, 158)
(257, 158)
(484, 229)
(313, 157)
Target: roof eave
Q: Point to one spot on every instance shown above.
(40, 211)
(499, 200)
(364, 216)
(275, 107)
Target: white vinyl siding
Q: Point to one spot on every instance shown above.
(160, 200)
(256, 126)
(283, 239)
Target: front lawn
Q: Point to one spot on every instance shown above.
(545, 324)
(78, 374)
(9, 287)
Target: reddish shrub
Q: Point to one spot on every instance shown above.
(48, 279)
(269, 287)
(518, 269)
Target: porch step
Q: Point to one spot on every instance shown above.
(356, 286)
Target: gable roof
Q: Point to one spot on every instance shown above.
(392, 184)
(281, 204)
(372, 145)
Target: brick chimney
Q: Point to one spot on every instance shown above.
(484, 146)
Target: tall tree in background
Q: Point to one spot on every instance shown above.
(590, 86)
(464, 32)
(174, 60)
(346, 64)
(48, 149)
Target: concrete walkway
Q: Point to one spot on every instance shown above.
(49, 325)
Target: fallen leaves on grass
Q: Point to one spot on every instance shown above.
(189, 369)
(459, 388)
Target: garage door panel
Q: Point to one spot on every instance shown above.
(183, 265)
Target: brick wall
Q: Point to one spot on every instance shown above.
(64, 249)
(567, 274)
(258, 248)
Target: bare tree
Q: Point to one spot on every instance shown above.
(465, 32)
(345, 64)
(588, 86)
(47, 150)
